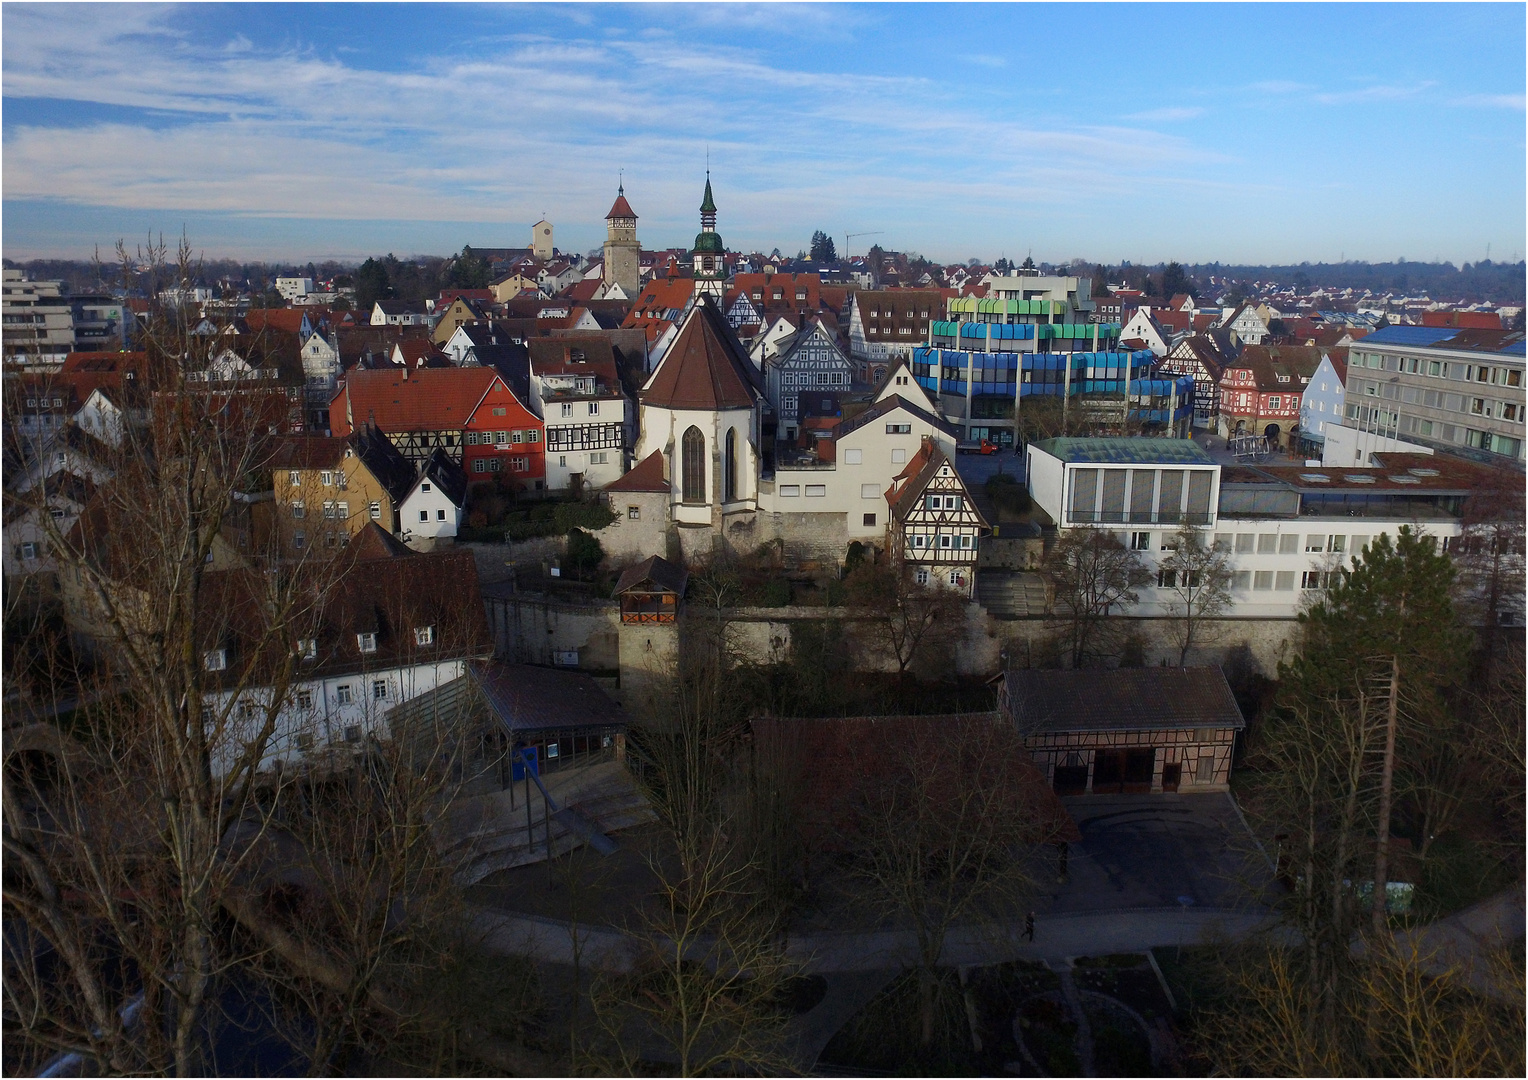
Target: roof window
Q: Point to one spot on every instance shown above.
(1315, 478)
(1405, 480)
(1423, 472)
(1354, 478)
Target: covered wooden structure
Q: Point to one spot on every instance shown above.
(651, 591)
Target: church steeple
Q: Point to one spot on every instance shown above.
(709, 255)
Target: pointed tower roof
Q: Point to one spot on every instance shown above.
(708, 204)
(621, 208)
(705, 368)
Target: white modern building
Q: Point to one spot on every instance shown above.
(38, 322)
(1284, 528)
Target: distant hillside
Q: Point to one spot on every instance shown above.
(1499, 283)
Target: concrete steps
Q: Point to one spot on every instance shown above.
(487, 832)
(1011, 594)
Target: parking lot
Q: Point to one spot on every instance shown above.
(1159, 851)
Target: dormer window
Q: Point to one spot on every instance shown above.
(215, 659)
(424, 635)
(307, 648)
(367, 643)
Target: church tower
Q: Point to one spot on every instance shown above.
(709, 255)
(541, 240)
(623, 264)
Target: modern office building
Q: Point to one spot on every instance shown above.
(1457, 391)
(1284, 528)
(1031, 336)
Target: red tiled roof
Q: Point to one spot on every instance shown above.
(582, 291)
(419, 353)
(430, 399)
(621, 208)
(288, 319)
(660, 296)
(646, 475)
(705, 367)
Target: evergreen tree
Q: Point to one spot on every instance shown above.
(1175, 280)
(371, 284)
(822, 248)
(468, 271)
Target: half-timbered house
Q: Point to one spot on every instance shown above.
(419, 410)
(810, 367)
(933, 526)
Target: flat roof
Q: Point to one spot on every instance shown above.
(1456, 338)
(1120, 450)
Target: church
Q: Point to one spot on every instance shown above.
(709, 471)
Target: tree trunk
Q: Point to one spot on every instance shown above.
(1386, 782)
(926, 1006)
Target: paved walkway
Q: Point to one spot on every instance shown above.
(1057, 937)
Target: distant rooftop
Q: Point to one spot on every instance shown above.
(1127, 451)
(1506, 342)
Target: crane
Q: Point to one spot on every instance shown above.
(851, 236)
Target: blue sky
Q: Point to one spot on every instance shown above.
(1238, 133)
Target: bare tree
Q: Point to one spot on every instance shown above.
(945, 816)
(912, 623)
(1489, 555)
(1197, 577)
(143, 822)
(1091, 573)
(1402, 1013)
(704, 992)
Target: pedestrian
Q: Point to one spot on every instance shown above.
(1029, 926)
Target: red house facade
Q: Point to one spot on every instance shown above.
(502, 436)
(1261, 389)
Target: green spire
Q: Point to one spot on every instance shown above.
(708, 206)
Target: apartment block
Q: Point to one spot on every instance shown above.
(36, 323)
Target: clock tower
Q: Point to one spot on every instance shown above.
(709, 255)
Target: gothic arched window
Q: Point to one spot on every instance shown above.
(694, 487)
(729, 467)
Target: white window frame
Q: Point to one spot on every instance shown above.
(366, 642)
(424, 635)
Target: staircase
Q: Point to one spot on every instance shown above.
(485, 833)
(1011, 594)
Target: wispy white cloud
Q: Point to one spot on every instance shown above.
(1152, 116)
(1490, 101)
(1380, 92)
(1280, 86)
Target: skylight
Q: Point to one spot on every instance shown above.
(1354, 478)
(1405, 480)
(1315, 478)
(1423, 472)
